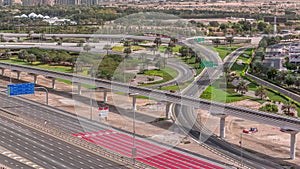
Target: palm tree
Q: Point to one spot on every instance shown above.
(87, 47)
(272, 73)
(31, 58)
(171, 45)
(157, 42)
(1, 37)
(242, 87)
(229, 39)
(22, 55)
(216, 41)
(7, 53)
(288, 107)
(226, 70)
(261, 92)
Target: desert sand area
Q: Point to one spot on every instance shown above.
(268, 143)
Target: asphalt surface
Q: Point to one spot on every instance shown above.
(48, 151)
(68, 123)
(11, 163)
(185, 73)
(197, 130)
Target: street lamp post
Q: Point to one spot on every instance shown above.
(47, 93)
(134, 150)
(241, 144)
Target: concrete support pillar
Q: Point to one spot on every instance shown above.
(222, 126)
(222, 123)
(35, 79)
(168, 113)
(293, 145)
(18, 75)
(105, 96)
(79, 89)
(53, 83)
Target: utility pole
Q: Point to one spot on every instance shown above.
(241, 146)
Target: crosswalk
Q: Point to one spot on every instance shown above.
(19, 158)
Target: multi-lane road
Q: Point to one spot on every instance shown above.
(267, 118)
(47, 151)
(186, 118)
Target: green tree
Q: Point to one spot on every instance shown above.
(214, 24)
(7, 54)
(184, 51)
(288, 107)
(216, 42)
(261, 92)
(261, 26)
(31, 58)
(289, 80)
(229, 39)
(272, 73)
(242, 87)
(45, 58)
(22, 55)
(87, 47)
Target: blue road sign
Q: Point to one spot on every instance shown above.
(20, 89)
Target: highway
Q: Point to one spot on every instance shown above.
(69, 123)
(47, 151)
(12, 163)
(241, 112)
(60, 119)
(185, 117)
(254, 40)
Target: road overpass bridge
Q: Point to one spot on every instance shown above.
(214, 107)
(254, 40)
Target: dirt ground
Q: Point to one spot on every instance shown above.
(269, 141)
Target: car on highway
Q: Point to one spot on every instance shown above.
(252, 130)
(285, 130)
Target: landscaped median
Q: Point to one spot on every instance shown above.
(166, 73)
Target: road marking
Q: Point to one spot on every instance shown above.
(14, 156)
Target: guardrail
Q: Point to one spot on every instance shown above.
(267, 118)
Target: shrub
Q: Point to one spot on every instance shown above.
(269, 108)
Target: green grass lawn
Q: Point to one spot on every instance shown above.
(225, 50)
(175, 49)
(191, 62)
(223, 96)
(166, 73)
(66, 69)
(121, 48)
(238, 68)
